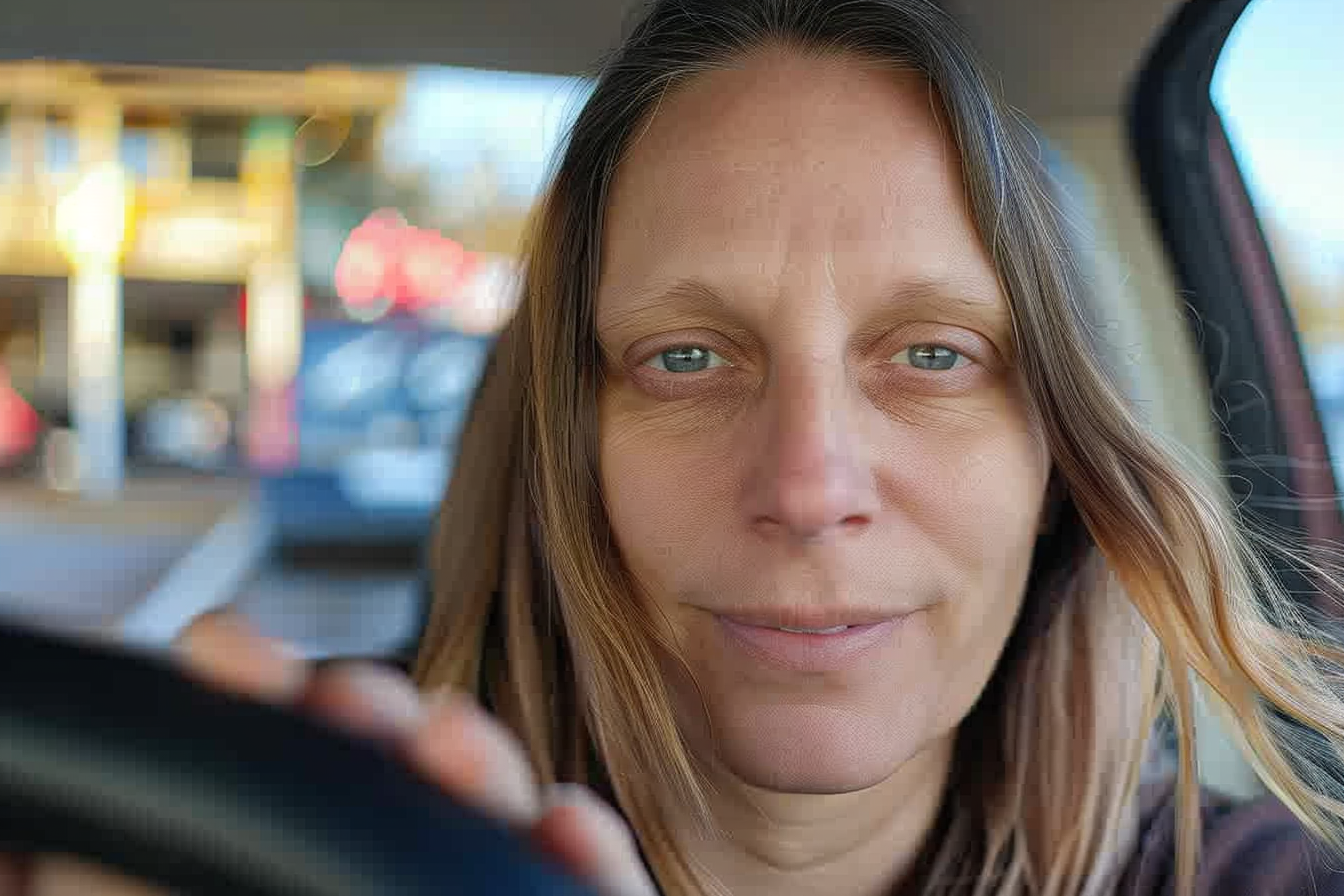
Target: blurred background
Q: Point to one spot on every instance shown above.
(241, 317)
(242, 313)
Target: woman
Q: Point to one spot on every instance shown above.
(797, 517)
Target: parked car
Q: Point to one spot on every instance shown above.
(374, 413)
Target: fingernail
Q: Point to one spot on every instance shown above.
(579, 796)
(388, 694)
(604, 821)
(445, 697)
(462, 708)
(288, 650)
(566, 793)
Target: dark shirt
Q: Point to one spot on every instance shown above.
(1255, 848)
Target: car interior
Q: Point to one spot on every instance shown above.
(1215, 296)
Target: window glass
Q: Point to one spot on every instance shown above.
(1279, 89)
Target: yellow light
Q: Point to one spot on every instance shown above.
(274, 322)
(93, 221)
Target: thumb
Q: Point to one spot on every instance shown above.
(14, 874)
(592, 841)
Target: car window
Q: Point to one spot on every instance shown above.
(1279, 90)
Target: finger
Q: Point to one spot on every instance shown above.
(474, 758)
(589, 839)
(14, 874)
(365, 699)
(223, 650)
(69, 877)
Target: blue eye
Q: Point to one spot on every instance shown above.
(685, 359)
(930, 357)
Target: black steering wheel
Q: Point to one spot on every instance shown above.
(119, 758)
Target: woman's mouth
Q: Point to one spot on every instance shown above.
(797, 649)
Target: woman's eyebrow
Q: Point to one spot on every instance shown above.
(960, 294)
(686, 294)
(963, 301)
(691, 294)
(693, 298)
(687, 297)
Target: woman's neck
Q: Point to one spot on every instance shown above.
(852, 844)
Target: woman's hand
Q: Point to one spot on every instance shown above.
(448, 739)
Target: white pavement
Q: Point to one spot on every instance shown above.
(78, 566)
(139, 568)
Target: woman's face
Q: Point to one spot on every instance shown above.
(812, 420)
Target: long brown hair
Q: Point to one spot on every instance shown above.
(1145, 576)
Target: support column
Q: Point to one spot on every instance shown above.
(92, 226)
(274, 329)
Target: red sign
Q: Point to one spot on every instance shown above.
(20, 425)
(387, 260)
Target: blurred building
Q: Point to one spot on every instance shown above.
(136, 205)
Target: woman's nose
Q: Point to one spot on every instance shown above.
(812, 479)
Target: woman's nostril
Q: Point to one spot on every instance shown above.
(810, 530)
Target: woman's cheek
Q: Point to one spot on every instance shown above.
(668, 481)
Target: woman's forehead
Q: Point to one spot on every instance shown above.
(819, 173)
(831, 121)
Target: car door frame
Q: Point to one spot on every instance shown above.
(1271, 439)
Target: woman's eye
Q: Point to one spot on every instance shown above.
(930, 357)
(685, 359)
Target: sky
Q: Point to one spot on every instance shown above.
(451, 115)
(1279, 87)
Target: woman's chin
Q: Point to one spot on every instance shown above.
(815, 748)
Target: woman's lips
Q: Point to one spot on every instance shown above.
(810, 651)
